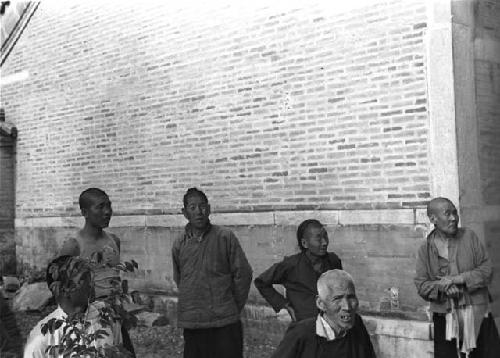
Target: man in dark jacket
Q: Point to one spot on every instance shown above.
(338, 331)
(10, 337)
(213, 277)
(299, 273)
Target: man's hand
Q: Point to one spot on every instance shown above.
(286, 312)
(291, 312)
(458, 280)
(453, 291)
(444, 283)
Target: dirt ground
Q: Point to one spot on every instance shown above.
(156, 342)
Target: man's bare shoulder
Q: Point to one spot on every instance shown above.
(70, 247)
(115, 239)
(113, 236)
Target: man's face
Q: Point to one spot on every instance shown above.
(98, 212)
(445, 218)
(80, 296)
(315, 240)
(197, 211)
(340, 306)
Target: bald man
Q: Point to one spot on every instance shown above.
(338, 331)
(452, 273)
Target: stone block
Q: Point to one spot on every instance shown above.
(32, 297)
(151, 319)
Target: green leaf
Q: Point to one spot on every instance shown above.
(44, 329)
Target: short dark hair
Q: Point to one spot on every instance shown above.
(431, 205)
(87, 195)
(63, 270)
(304, 225)
(194, 191)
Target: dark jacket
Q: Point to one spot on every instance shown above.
(213, 277)
(301, 341)
(10, 337)
(298, 276)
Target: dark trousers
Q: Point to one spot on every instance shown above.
(219, 342)
(442, 347)
(127, 342)
(488, 342)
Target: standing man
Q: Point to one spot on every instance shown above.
(213, 277)
(452, 273)
(299, 273)
(102, 248)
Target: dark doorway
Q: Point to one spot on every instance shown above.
(7, 200)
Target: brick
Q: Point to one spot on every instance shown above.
(146, 116)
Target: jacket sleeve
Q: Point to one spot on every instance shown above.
(276, 274)
(175, 262)
(291, 345)
(480, 275)
(36, 345)
(241, 272)
(426, 287)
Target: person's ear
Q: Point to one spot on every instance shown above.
(432, 218)
(320, 304)
(84, 212)
(305, 243)
(208, 209)
(184, 213)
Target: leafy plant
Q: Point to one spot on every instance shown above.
(77, 340)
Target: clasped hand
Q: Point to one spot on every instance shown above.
(448, 285)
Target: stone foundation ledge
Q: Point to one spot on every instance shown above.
(391, 338)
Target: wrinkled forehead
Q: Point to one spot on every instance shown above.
(341, 287)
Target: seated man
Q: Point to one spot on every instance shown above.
(299, 273)
(69, 279)
(337, 331)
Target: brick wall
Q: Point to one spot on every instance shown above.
(290, 111)
(266, 108)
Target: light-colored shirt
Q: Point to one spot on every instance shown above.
(38, 343)
(323, 329)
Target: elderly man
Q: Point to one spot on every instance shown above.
(338, 331)
(213, 277)
(452, 273)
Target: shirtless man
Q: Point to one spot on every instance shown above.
(100, 247)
